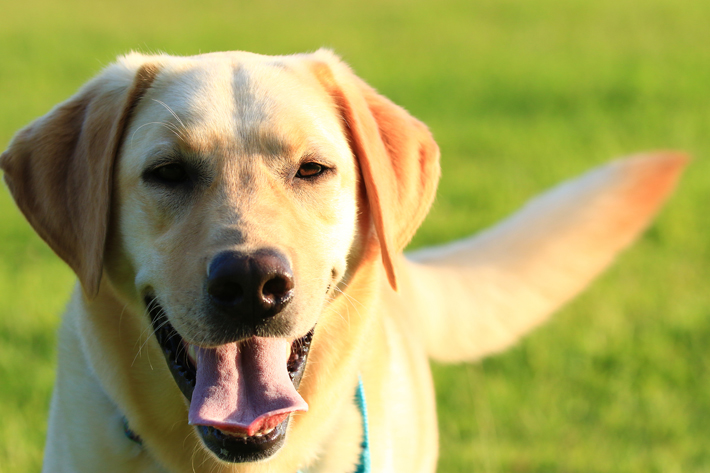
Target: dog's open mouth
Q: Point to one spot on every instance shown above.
(241, 394)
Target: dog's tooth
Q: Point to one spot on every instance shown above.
(192, 352)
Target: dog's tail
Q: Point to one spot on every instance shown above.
(478, 296)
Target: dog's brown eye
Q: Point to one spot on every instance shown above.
(310, 170)
(170, 174)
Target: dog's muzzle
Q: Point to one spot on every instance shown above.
(242, 393)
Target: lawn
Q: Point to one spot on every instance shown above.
(520, 95)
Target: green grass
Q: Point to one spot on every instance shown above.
(520, 95)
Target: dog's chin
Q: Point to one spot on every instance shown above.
(235, 447)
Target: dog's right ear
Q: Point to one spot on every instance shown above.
(59, 168)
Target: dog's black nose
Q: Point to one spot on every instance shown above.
(256, 285)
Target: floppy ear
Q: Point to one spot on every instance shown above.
(59, 168)
(398, 157)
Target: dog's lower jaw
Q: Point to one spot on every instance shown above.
(229, 446)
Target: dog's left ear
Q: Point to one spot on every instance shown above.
(59, 168)
(398, 157)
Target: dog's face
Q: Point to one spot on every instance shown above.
(235, 209)
(227, 175)
(228, 198)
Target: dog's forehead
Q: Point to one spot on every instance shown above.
(244, 103)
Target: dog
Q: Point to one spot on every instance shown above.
(236, 223)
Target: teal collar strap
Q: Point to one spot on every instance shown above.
(364, 464)
(129, 433)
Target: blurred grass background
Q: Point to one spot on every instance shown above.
(519, 95)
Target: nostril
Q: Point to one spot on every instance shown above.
(226, 291)
(276, 289)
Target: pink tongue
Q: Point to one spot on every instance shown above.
(244, 388)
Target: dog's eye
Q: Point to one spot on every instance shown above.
(310, 170)
(172, 173)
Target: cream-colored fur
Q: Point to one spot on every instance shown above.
(249, 122)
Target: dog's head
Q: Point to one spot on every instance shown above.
(232, 196)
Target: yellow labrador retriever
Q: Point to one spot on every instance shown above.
(236, 223)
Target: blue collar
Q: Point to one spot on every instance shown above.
(129, 433)
(364, 464)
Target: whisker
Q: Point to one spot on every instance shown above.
(152, 333)
(172, 112)
(120, 320)
(169, 126)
